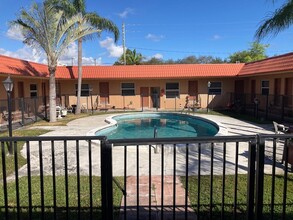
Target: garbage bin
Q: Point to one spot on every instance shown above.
(73, 108)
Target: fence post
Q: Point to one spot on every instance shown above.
(267, 106)
(260, 144)
(283, 108)
(106, 180)
(22, 110)
(35, 109)
(251, 180)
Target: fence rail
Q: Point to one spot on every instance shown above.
(236, 177)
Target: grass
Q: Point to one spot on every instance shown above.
(241, 196)
(60, 198)
(9, 159)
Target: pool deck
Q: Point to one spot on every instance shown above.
(86, 126)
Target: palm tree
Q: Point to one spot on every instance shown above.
(132, 58)
(45, 27)
(72, 7)
(280, 20)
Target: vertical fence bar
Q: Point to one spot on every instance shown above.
(137, 181)
(150, 181)
(4, 179)
(223, 181)
(273, 178)
(162, 183)
(251, 180)
(41, 180)
(54, 179)
(259, 177)
(66, 179)
(236, 180)
(286, 150)
(35, 109)
(90, 178)
(211, 180)
(174, 181)
(186, 180)
(106, 179)
(22, 110)
(198, 180)
(78, 178)
(16, 178)
(125, 181)
(29, 184)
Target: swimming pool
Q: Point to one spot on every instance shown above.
(142, 125)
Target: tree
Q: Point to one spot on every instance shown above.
(45, 27)
(254, 53)
(280, 20)
(132, 58)
(72, 7)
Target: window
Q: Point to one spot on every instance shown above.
(127, 89)
(33, 90)
(85, 90)
(215, 88)
(172, 90)
(265, 87)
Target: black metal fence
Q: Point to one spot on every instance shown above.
(273, 107)
(231, 177)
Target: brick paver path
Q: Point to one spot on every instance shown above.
(156, 186)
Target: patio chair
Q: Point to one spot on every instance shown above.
(280, 129)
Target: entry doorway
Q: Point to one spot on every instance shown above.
(155, 95)
(145, 96)
(104, 93)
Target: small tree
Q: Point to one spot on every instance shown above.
(254, 53)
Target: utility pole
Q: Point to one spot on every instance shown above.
(123, 42)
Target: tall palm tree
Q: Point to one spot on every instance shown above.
(45, 27)
(280, 20)
(72, 7)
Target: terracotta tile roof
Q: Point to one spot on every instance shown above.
(282, 63)
(151, 71)
(13, 66)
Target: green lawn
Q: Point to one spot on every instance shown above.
(241, 196)
(60, 193)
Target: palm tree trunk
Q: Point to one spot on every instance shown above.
(79, 81)
(52, 93)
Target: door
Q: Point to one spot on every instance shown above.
(145, 96)
(104, 93)
(155, 94)
(239, 90)
(277, 92)
(252, 90)
(193, 90)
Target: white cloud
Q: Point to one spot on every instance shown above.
(25, 53)
(154, 37)
(14, 32)
(109, 45)
(126, 12)
(158, 56)
(216, 37)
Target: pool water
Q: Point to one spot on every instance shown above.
(167, 125)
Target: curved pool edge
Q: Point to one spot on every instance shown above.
(112, 122)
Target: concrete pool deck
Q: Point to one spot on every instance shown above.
(82, 126)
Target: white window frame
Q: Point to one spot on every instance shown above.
(215, 88)
(85, 90)
(34, 91)
(172, 92)
(265, 89)
(128, 90)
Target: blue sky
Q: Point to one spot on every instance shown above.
(162, 29)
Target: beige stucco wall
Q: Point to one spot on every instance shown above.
(115, 98)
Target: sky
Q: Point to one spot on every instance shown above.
(159, 28)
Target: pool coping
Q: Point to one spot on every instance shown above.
(111, 122)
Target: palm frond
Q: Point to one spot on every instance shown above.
(280, 20)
